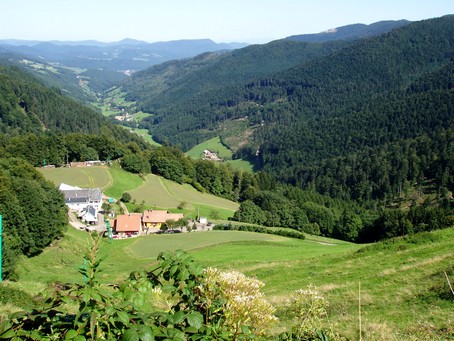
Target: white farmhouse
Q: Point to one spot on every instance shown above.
(78, 199)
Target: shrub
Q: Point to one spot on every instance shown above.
(126, 197)
(308, 308)
(260, 229)
(15, 297)
(242, 302)
(175, 301)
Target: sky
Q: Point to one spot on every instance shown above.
(250, 21)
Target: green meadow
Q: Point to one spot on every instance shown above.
(157, 192)
(154, 191)
(400, 284)
(84, 177)
(215, 145)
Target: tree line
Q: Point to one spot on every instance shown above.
(33, 210)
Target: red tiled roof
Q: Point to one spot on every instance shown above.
(128, 223)
(156, 216)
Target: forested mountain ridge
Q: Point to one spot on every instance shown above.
(315, 79)
(27, 106)
(361, 98)
(351, 32)
(212, 72)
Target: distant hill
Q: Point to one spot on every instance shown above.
(127, 54)
(351, 32)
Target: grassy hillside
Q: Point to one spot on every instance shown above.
(400, 283)
(154, 191)
(100, 177)
(215, 145)
(158, 192)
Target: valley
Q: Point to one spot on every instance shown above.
(325, 162)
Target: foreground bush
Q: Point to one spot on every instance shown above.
(177, 300)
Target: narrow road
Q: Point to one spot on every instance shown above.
(73, 220)
(125, 209)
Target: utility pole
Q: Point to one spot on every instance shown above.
(1, 252)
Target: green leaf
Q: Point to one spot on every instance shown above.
(183, 275)
(173, 269)
(178, 317)
(146, 334)
(7, 335)
(176, 335)
(123, 317)
(130, 335)
(168, 288)
(71, 334)
(195, 319)
(191, 330)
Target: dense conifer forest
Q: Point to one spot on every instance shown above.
(375, 111)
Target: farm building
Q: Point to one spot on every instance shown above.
(79, 199)
(155, 218)
(128, 224)
(89, 215)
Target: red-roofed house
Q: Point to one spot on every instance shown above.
(127, 224)
(155, 218)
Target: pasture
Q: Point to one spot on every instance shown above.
(84, 177)
(399, 284)
(215, 145)
(158, 192)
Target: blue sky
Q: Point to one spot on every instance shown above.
(252, 21)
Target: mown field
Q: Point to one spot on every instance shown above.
(400, 285)
(215, 145)
(154, 191)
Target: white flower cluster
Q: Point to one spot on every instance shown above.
(309, 306)
(245, 304)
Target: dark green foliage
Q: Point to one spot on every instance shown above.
(34, 212)
(394, 223)
(114, 312)
(135, 163)
(27, 106)
(101, 80)
(250, 213)
(361, 121)
(126, 197)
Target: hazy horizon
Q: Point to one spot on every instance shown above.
(222, 21)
